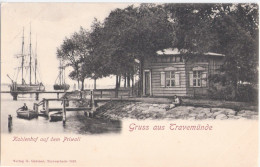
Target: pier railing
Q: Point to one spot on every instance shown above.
(98, 93)
(111, 93)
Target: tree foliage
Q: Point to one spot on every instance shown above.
(230, 29)
(137, 32)
(75, 52)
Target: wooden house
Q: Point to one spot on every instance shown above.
(171, 73)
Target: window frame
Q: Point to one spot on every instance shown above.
(170, 79)
(197, 78)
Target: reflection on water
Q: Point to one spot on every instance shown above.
(76, 121)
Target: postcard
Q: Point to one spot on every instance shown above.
(129, 84)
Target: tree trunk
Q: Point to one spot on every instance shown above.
(119, 81)
(82, 84)
(125, 82)
(95, 84)
(77, 73)
(128, 80)
(116, 90)
(132, 78)
(141, 77)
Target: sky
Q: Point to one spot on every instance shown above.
(50, 24)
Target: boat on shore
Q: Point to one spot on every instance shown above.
(56, 117)
(26, 114)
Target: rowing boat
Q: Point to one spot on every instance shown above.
(26, 114)
(56, 117)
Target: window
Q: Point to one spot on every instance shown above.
(164, 60)
(197, 78)
(170, 78)
(177, 59)
(168, 59)
(173, 59)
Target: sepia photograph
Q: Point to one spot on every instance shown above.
(107, 71)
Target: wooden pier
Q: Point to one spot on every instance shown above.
(94, 96)
(37, 93)
(46, 109)
(98, 93)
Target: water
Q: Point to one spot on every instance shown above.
(76, 122)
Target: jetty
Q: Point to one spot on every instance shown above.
(100, 94)
(37, 93)
(47, 109)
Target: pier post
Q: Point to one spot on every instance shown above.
(47, 107)
(15, 96)
(91, 93)
(64, 111)
(93, 102)
(35, 107)
(43, 103)
(37, 96)
(10, 123)
(80, 94)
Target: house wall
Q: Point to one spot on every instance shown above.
(156, 68)
(196, 91)
(210, 63)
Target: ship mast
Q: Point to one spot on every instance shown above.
(60, 72)
(63, 74)
(22, 56)
(30, 57)
(35, 61)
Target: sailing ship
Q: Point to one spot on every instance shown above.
(60, 80)
(23, 86)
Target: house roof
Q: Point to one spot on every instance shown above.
(175, 51)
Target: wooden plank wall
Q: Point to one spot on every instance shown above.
(214, 66)
(156, 69)
(211, 63)
(196, 91)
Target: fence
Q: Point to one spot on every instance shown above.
(111, 93)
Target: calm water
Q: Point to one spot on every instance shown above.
(76, 122)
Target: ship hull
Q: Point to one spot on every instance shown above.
(61, 87)
(27, 88)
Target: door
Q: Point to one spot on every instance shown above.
(147, 83)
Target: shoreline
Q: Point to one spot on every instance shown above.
(162, 108)
(142, 111)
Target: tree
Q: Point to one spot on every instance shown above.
(238, 39)
(134, 33)
(194, 28)
(68, 54)
(75, 52)
(230, 29)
